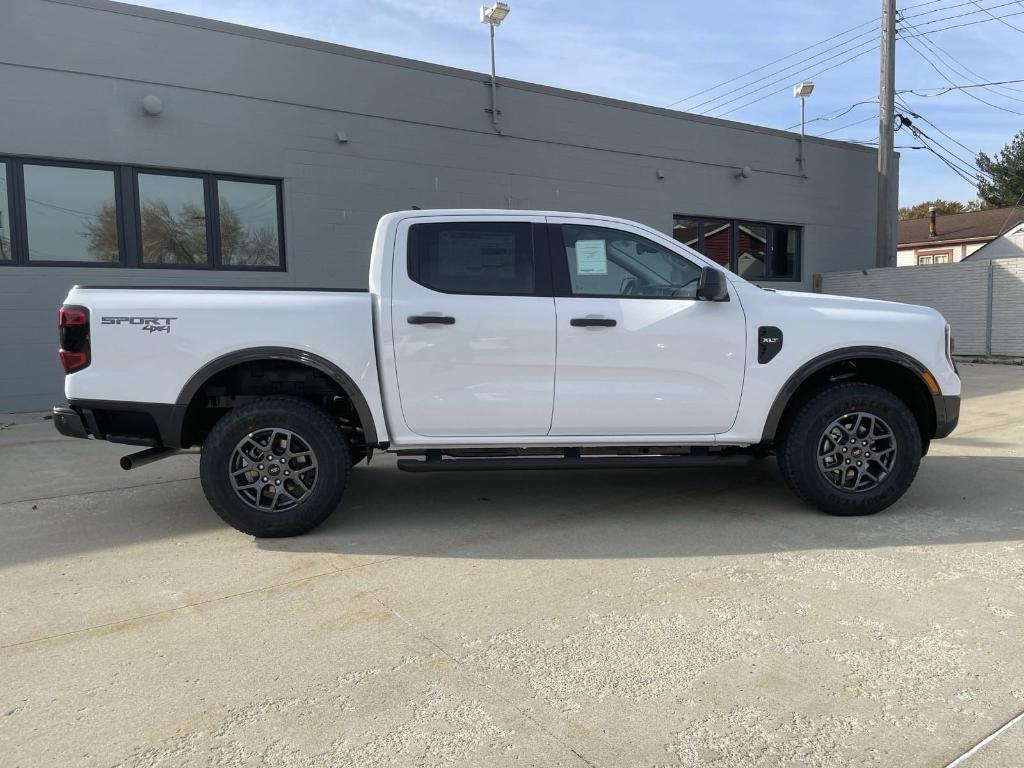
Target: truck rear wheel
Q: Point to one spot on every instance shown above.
(851, 449)
(277, 466)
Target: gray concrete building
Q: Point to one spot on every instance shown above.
(144, 147)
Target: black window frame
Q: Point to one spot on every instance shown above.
(12, 215)
(734, 232)
(20, 164)
(541, 265)
(562, 280)
(129, 222)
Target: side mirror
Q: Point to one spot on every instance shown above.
(713, 285)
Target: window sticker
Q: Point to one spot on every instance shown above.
(591, 257)
(468, 254)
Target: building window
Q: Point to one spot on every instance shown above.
(172, 220)
(5, 217)
(487, 258)
(935, 257)
(754, 250)
(71, 213)
(248, 224)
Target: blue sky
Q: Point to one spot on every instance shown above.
(658, 51)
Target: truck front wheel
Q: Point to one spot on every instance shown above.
(850, 449)
(277, 466)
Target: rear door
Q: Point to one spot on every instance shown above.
(638, 354)
(473, 324)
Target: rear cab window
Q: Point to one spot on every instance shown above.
(484, 258)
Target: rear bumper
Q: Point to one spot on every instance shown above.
(947, 414)
(147, 424)
(69, 422)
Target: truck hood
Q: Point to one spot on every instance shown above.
(851, 304)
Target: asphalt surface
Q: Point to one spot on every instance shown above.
(627, 618)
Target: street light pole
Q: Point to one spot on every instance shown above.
(493, 16)
(885, 255)
(494, 86)
(802, 91)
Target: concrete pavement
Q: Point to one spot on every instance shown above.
(629, 618)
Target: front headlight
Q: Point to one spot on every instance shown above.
(950, 344)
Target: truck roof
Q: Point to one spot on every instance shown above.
(513, 213)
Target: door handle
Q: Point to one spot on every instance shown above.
(592, 322)
(430, 320)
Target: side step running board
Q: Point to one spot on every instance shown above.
(488, 464)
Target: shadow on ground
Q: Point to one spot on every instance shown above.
(654, 513)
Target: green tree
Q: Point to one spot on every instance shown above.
(1006, 170)
(920, 210)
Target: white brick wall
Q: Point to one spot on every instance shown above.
(959, 291)
(1008, 307)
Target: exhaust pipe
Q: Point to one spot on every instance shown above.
(148, 456)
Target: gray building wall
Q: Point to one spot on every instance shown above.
(237, 100)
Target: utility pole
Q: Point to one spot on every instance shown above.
(885, 255)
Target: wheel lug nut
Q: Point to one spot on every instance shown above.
(261, 466)
(266, 479)
(287, 473)
(858, 463)
(277, 482)
(282, 461)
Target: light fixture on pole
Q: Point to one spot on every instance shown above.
(493, 16)
(802, 91)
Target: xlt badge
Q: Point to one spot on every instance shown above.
(769, 342)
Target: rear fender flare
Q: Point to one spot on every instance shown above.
(326, 367)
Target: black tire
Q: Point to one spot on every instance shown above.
(312, 429)
(803, 437)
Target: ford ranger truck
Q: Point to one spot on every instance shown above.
(508, 340)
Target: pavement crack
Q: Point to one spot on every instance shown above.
(197, 603)
(101, 490)
(483, 684)
(333, 572)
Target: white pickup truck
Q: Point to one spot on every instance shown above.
(498, 340)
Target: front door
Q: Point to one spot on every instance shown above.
(638, 354)
(474, 327)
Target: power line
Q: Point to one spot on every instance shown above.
(831, 116)
(914, 114)
(1000, 19)
(1014, 208)
(944, 91)
(775, 61)
(935, 47)
(971, 165)
(873, 47)
(788, 72)
(977, 9)
(967, 171)
(850, 125)
(963, 24)
(944, 77)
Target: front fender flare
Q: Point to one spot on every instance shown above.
(808, 369)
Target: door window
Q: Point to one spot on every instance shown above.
(488, 258)
(610, 262)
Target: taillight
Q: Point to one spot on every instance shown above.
(73, 327)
